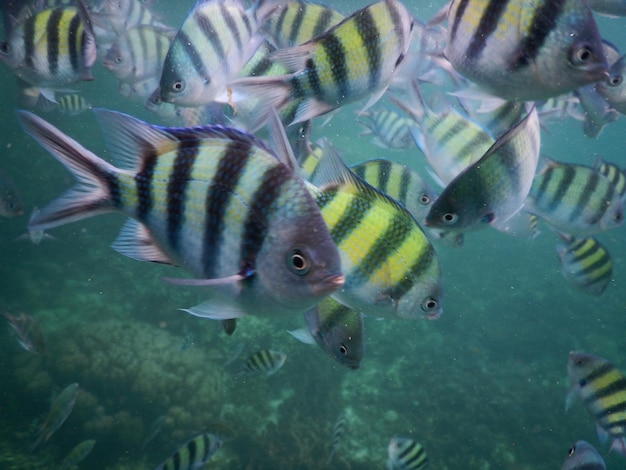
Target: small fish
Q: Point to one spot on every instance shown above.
(10, 201)
(613, 88)
(338, 330)
(338, 430)
(122, 15)
(406, 454)
(193, 454)
(597, 111)
(59, 412)
(52, 48)
(390, 130)
(213, 200)
(296, 21)
(523, 51)
(35, 236)
(583, 456)
(155, 429)
(585, 264)
(602, 389)
(27, 331)
(493, 189)
(264, 362)
(73, 104)
(615, 175)
(356, 58)
(575, 199)
(77, 454)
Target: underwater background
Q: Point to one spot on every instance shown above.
(483, 387)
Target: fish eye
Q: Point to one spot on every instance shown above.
(618, 217)
(571, 452)
(343, 350)
(449, 218)
(118, 60)
(4, 47)
(424, 199)
(615, 80)
(581, 55)
(429, 304)
(298, 262)
(178, 86)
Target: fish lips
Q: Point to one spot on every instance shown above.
(329, 284)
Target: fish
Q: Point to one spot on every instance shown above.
(338, 331)
(614, 174)
(602, 389)
(339, 429)
(597, 111)
(583, 456)
(213, 200)
(296, 21)
(28, 332)
(122, 15)
(355, 59)
(10, 202)
(493, 189)
(35, 236)
(390, 130)
(264, 362)
(525, 51)
(608, 7)
(52, 48)
(406, 454)
(613, 88)
(391, 269)
(155, 429)
(585, 264)
(193, 454)
(77, 454)
(575, 199)
(138, 54)
(216, 39)
(59, 412)
(72, 104)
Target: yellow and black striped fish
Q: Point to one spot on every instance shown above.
(52, 48)
(602, 389)
(389, 129)
(524, 51)
(263, 362)
(406, 454)
(72, 104)
(585, 263)
(193, 454)
(213, 200)
(614, 174)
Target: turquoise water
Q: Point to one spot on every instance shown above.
(482, 388)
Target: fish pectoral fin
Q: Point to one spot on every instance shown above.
(136, 242)
(207, 282)
(215, 310)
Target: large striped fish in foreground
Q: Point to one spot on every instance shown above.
(585, 263)
(391, 268)
(493, 189)
(355, 59)
(193, 454)
(51, 48)
(583, 456)
(602, 389)
(213, 200)
(523, 50)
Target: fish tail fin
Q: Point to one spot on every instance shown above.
(97, 179)
(266, 92)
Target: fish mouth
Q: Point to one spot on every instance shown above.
(330, 284)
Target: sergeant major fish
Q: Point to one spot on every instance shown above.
(193, 454)
(585, 263)
(213, 200)
(263, 362)
(406, 454)
(525, 51)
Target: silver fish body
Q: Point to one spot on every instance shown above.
(59, 412)
(77, 454)
(524, 50)
(583, 456)
(613, 89)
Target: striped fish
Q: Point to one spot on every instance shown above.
(583, 456)
(493, 189)
(264, 362)
(602, 389)
(216, 39)
(298, 21)
(614, 174)
(193, 454)
(406, 454)
(72, 104)
(213, 200)
(523, 51)
(52, 48)
(338, 330)
(121, 15)
(338, 430)
(138, 54)
(575, 199)
(390, 266)
(585, 263)
(390, 130)
(356, 58)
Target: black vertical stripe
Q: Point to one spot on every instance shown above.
(223, 185)
(366, 27)
(143, 181)
(192, 53)
(176, 461)
(212, 35)
(336, 57)
(177, 187)
(314, 81)
(232, 27)
(457, 18)
(193, 450)
(405, 181)
(543, 22)
(487, 25)
(585, 196)
(278, 27)
(29, 36)
(260, 213)
(323, 22)
(52, 35)
(351, 218)
(606, 200)
(77, 45)
(297, 24)
(563, 187)
(206, 442)
(416, 271)
(384, 170)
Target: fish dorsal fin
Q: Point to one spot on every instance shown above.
(279, 142)
(135, 242)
